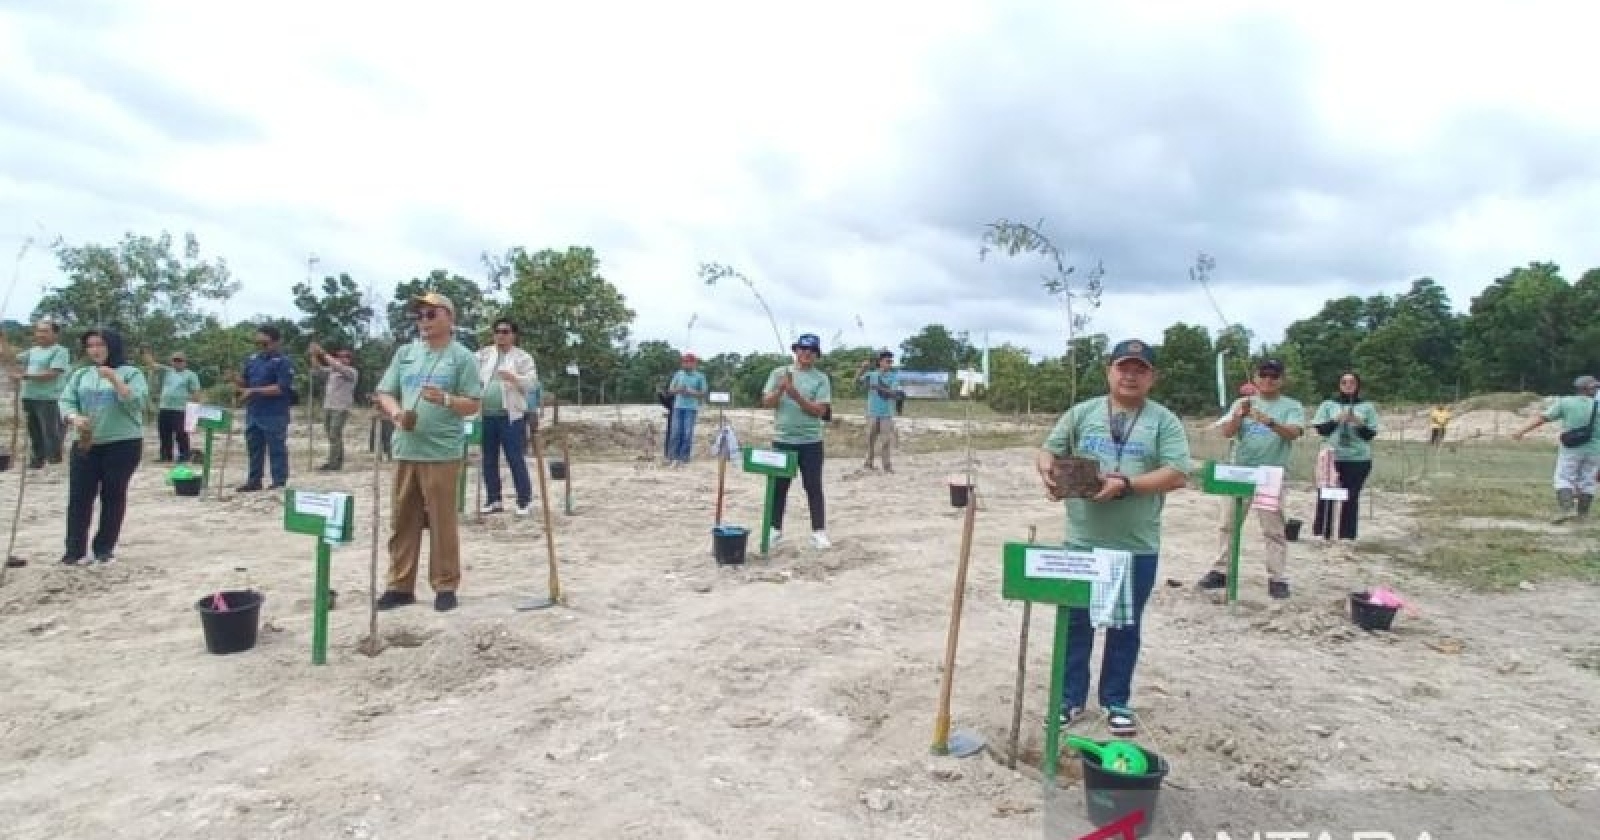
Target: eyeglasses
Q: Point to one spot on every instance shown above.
(177, 361)
(427, 314)
(502, 331)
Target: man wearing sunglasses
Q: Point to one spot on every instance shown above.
(432, 384)
(1265, 425)
(267, 387)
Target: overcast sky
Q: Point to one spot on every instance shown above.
(845, 156)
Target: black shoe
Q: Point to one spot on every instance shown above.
(247, 488)
(390, 600)
(275, 487)
(1278, 589)
(444, 601)
(1213, 580)
(15, 562)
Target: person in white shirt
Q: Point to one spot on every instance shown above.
(508, 375)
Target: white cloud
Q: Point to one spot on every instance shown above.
(391, 140)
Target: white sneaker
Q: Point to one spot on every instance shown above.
(524, 510)
(492, 507)
(820, 539)
(773, 536)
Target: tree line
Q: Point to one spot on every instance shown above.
(1529, 330)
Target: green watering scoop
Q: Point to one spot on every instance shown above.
(1115, 756)
(180, 473)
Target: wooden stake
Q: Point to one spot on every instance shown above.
(941, 726)
(1022, 670)
(21, 468)
(372, 647)
(566, 483)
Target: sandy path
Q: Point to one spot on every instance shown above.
(673, 699)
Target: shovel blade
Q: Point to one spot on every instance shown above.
(965, 743)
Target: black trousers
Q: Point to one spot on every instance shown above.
(808, 457)
(174, 440)
(1352, 476)
(103, 473)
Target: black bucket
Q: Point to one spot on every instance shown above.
(959, 494)
(186, 486)
(1371, 616)
(5, 462)
(1291, 530)
(233, 630)
(1112, 796)
(558, 470)
(728, 544)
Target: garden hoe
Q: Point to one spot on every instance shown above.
(555, 597)
(12, 560)
(965, 743)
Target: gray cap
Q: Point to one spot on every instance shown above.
(1585, 381)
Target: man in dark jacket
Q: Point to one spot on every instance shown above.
(266, 385)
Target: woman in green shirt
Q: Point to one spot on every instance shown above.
(103, 402)
(1347, 424)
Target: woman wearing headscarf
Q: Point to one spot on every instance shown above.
(103, 403)
(1347, 423)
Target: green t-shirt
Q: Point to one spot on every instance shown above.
(1157, 439)
(494, 403)
(1573, 412)
(438, 435)
(694, 381)
(1260, 446)
(1347, 445)
(790, 424)
(39, 360)
(176, 387)
(87, 393)
(877, 404)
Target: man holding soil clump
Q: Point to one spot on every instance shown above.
(432, 384)
(1143, 452)
(1266, 426)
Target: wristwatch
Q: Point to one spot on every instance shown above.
(1127, 487)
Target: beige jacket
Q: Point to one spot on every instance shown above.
(513, 395)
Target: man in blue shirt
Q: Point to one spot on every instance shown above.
(883, 390)
(266, 386)
(688, 387)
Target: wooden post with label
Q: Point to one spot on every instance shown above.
(210, 418)
(330, 517)
(774, 464)
(1050, 574)
(1239, 484)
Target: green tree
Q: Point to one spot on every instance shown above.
(936, 348)
(338, 317)
(649, 366)
(568, 313)
(1011, 385)
(1515, 333)
(149, 288)
(1187, 383)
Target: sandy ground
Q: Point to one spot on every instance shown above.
(670, 698)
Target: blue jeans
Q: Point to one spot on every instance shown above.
(502, 435)
(1121, 649)
(267, 436)
(681, 434)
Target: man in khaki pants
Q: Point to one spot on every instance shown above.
(1266, 426)
(431, 385)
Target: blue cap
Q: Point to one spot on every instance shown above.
(808, 341)
(1133, 348)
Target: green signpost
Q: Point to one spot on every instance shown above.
(774, 464)
(1239, 484)
(211, 418)
(1051, 574)
(329, 517)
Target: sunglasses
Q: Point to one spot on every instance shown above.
(426, 314)
(1267, 374)
(502, 331)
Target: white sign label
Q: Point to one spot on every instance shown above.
(314, 504)
(1243, 475)
(572, 368)
(466, 428)
(1092, 566)
(769, 458)
(1334, 494)
(210, 412)
(718, 397)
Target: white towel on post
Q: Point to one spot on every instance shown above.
(1111, 602)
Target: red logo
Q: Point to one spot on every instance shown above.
(1122, 827)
